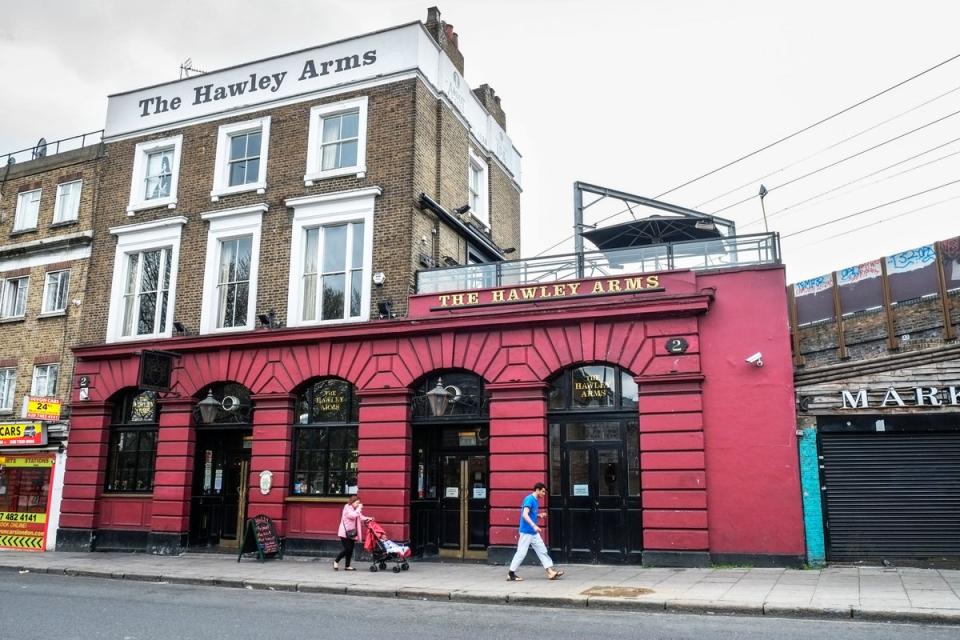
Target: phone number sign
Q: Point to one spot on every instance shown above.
(41, 408)
(22, 434)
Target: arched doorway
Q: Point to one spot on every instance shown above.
(594, 480)
(451, 471)
(224, 426)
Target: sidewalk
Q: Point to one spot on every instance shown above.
(866, 593)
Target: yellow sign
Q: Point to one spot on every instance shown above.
(21, 516)
(42, 408)
(22, 434)
(580, 289)
(30, 543)
(35, 463)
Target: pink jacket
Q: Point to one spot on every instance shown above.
(351, 519)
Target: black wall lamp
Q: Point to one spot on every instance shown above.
(179, 328)
(385, 309)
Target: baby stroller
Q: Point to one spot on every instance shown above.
(384, 550)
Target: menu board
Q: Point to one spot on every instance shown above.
(260, 537)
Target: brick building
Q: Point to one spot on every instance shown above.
(878, 390)
(304, 295)
(46, 227)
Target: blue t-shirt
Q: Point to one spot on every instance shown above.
(531, 503)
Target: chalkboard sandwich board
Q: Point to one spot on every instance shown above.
(260, 537)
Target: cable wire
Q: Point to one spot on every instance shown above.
(809, 127)
(840, 161)
(874, 208)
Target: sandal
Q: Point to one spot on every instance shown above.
(554, 575)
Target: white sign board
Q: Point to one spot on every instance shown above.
(479, 493)
(453, 492)
(581, 490)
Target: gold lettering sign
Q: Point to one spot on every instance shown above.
(610, 286)
(590, 388)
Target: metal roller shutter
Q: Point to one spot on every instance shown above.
(891, 496)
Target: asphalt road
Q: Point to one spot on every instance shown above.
(39, 606)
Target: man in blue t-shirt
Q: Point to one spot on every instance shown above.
(530, 535)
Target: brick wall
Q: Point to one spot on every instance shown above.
(37, 337)
(866, 333)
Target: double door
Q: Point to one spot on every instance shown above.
(595, 514)
(463, 517)
(219, 499)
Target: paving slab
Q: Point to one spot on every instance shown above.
(867, 593)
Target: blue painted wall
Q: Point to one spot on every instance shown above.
(812, 507)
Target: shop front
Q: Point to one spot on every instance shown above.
(659, 443)
(29, 486)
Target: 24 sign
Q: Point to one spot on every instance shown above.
(42, 408)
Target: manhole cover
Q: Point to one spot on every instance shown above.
(617, 592)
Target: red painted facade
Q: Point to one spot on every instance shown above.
(718, 458)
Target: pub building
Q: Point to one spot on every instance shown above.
(277, 334)
(878, 392)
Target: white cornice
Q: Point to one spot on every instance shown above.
(236, 211)
(367, 192)
(147, 226)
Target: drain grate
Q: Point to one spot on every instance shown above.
(617, 592)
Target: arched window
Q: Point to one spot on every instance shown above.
(133, 443)
(325, 440)
(593, 387)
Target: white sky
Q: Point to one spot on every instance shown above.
(637, 96)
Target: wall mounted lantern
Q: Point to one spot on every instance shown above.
(209, 408)
(439, 399)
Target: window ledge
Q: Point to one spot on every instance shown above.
(128, 494)
(169, 203)
(21, 232)
(310, 178)
(13, 319)
(338, 499)
(65, 223)
(260, 188)
(6, 412)
(52, 314)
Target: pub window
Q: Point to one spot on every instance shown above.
(337, 140)
(325, 440)
(133, 443)
(156, 168)
(593, 387)
(241, 163)
(463, 395)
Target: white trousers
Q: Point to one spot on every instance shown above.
(526, 541)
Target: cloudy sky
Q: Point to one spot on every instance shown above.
(638, 96)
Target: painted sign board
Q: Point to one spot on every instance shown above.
(42, 408)
(22, 434)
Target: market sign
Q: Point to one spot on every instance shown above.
(560, 290)
(42, 408)
(22, 434)
(893, 397)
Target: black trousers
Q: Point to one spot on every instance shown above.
(347, 552)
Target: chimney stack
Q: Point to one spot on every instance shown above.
(445, 36)
(491, 102)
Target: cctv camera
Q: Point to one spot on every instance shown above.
(756, 359)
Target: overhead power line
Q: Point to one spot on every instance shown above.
(755, 181)
(811, 126)
(799, 205)
(841, 160)
(868, 210)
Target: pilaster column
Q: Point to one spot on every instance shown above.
(84, 478)
(385, 457)
(173, 477)
(673, 471)
(272, 449)
(518, 453)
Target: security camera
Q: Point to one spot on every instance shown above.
(756, 359)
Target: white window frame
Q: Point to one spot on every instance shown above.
(230, 224)
(19, 223)
(138, 201)
(317, 114)
(58, 216)
(134, 238)
(45, 392)
(46, 290)
(3, 298)
(334, 208)
(221, 171)
(8, 388)
(482, 212)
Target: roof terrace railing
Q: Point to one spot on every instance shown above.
(699, 255)
(53, 147)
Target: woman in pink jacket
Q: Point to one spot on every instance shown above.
(350, 521)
